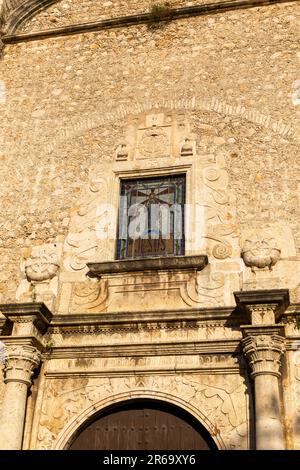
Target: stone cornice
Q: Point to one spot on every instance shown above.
(221, 347)
(192, 318)
(37, 313)
(148, 264)
(30, 8)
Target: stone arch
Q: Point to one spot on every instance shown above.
(66, 436)
(16, 13)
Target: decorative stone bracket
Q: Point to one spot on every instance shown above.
(27, 318)
(263, 307)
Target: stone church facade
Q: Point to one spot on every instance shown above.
(193, 105)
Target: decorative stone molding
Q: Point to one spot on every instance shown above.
(264, 353)
(42, 266)
(260, 253)
(20, 363)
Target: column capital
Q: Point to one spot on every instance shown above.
(263, 350)
(20, 360)
(263, 307)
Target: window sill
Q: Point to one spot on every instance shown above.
(197, 262)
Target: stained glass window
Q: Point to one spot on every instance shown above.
(151, 217)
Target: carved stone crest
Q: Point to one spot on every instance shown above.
(154, 143)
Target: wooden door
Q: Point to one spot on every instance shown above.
(144, 427)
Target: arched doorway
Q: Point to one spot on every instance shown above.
(146, 425)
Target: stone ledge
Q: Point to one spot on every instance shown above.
(153, 264)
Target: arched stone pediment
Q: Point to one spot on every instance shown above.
(38, 15)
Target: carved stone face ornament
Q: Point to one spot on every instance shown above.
(42, 266)
(260, 253)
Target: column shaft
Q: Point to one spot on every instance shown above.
(12, 417)
(269, 429)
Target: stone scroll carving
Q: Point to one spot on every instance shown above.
(218, 209)
(83, 242)
(206, 291)
(90, 296)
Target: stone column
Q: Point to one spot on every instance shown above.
(20, 362)
(264, 352)
(263, 346)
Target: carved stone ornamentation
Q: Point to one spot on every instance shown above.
(91, 296)
(90, 218)
(122, 152)
(260, 253)
(20, 362)
(187, 148)
(154, 143)
(67, 402)
(264, 353)
(42, 266)
(6, 6)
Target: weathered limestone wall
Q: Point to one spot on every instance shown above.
(57, 89)
(229, 83)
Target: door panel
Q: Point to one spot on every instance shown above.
(144, 427)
